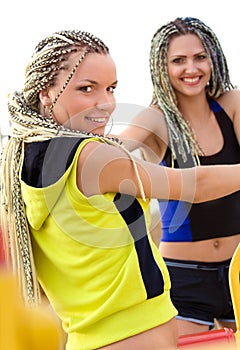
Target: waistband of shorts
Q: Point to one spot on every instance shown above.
(198, 265)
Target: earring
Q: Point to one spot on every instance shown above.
(110, 126)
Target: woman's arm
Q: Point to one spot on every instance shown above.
(103, 168)
(145, 125)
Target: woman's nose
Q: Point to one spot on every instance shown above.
(190, 66)
(106, 102)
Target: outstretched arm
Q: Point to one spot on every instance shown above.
(103, 168)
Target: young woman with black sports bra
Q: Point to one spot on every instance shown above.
(194, 118)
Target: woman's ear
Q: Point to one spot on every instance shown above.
(45, 98)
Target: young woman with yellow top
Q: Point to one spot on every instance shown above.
(75, 204)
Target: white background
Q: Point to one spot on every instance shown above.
(125, 26)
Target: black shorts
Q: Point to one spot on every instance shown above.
(200, 291)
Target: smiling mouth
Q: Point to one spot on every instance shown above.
(191, 80)
(97, 120)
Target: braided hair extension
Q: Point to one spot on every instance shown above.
(181, 138)
(28, 125)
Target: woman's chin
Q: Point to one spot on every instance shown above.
(99, 130)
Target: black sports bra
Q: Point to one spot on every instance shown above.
(183, 221)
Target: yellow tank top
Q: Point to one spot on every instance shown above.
(96, 261)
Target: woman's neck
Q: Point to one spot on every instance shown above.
(195, 109)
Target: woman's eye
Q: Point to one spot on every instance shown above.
(178, 60)
(111, 89)
(202, 57)
(86, 88)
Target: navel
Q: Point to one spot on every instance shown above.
(216, 244)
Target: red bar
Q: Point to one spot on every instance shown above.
(220, 336)
(2, 256)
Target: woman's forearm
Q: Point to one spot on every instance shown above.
(199, 184)
(216, 181)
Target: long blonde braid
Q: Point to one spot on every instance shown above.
(28, 125)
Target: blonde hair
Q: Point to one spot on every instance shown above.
(181, 138)
(28, 125)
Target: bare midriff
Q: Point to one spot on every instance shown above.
(211, 250)
(162, 337)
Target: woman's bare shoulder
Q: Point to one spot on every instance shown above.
(230, 102)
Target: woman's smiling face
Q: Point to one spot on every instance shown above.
(88, 100)
(189, 66)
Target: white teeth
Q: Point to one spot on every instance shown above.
(191, 80)
(98, 120)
